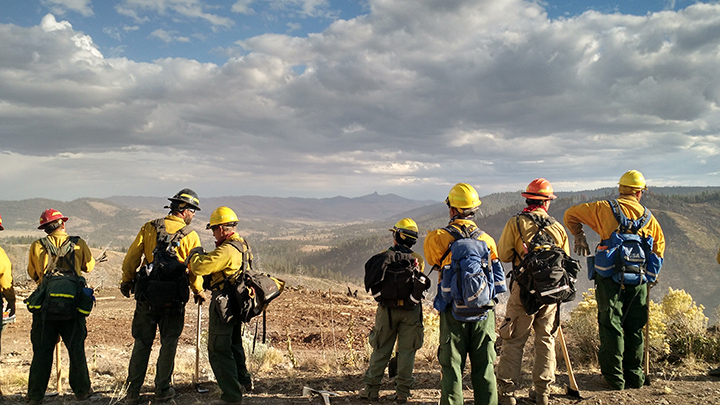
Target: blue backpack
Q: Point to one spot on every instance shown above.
(467, 283)
(626, 256)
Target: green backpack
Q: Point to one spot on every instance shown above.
(62, 294)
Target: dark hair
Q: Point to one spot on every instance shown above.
(52, 226)
(407, 241)
(530, 201)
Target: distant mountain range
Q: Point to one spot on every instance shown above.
(333, 237)
(335, 209)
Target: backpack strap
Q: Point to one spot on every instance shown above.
(539, 221)
(164, 236)
(67, 248)
(625, 225)
(247, 262)
(460, 233)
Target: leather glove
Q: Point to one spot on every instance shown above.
(581, 247)
(10, 307)
(127, 288)
(199, 297)
(193, 252)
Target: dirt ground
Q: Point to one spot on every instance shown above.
(317, 338)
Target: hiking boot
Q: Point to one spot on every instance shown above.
(539, 399)
(506, 392)
(398, 398)
(85, 396)
(714, 372)
(166, 395)
(131, 398)
(365, 393)
(507, 400)
(603, 383)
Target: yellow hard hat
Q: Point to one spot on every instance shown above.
(463, 196)
(633, 179)
(222, 215)
(407, 227)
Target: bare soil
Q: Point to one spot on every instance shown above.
(319, 339)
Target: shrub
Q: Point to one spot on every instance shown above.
(584, 329)
(431, 336)
(686, 328)
(678, 329)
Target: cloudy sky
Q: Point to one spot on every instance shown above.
(319, 98)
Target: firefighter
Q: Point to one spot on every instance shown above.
(225, 349)
(462, 338)
(622, 308)
(398, 320)
(517, 325)
(168, 316)
(45, 333)
(6, 287)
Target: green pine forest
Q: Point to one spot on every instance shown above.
(337, 250)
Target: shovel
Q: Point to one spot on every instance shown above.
(196, 376)
(646, 360)
(572, 390)
(307, 391)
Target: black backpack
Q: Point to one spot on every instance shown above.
(394, 279)
(546, 274)
(62, 294)
(250, 292)
(164, 282)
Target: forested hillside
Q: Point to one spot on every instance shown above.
(338, 248)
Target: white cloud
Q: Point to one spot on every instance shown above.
(243, 7)
(492, 93)
(50, 24)
(168, 36)
(62, 6)
(193, 9)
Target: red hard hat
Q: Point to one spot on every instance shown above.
(539, 189)
(50, 215)
(1, 227)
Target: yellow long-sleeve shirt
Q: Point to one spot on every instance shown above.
(438, 241)
(38, 256)
(510, 245)
(141, 250)
(599, 217)
(5, 271)
(219, 264)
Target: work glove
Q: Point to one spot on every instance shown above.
(9, 296)
(199, 297)
(10, 308)
(581, 247)
(193, 252)
(127, 288)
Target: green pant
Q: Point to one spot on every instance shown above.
(227, 356)
(458, 340)
(391, 324)
(622, 314)
(146, 322)
(44, 335)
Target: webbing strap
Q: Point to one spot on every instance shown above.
(68, 247)
(461, 233)
(162, 233)
(246, 264)
(625, 225)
